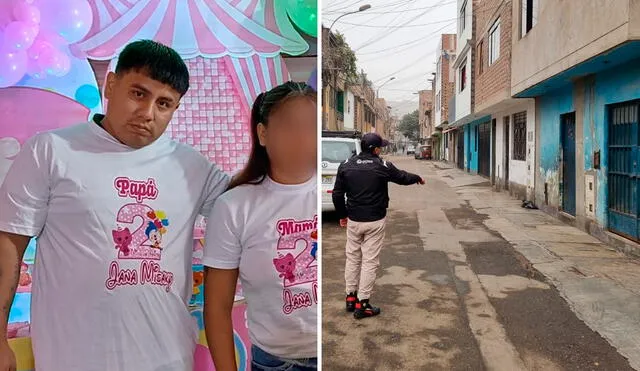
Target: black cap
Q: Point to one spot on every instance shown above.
(373, 140)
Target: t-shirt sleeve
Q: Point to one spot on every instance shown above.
(222, 247)
(217, 182)
(24, 194)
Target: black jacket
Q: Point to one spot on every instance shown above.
(364, 179)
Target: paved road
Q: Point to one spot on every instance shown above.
(454, 293)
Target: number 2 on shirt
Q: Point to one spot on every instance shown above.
(304, 271)
(127, 216)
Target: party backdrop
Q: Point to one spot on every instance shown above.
(54, 57)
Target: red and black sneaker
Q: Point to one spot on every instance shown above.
(352, 301)
(364, 310)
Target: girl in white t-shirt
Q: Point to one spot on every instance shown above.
(263, 231)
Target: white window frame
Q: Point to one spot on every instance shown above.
(463, 81)
(462, 17)
(494, 42)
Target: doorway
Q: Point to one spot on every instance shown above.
(568, 143)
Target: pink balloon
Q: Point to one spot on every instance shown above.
(54, 62)
(52, 38)
(70, 19)
(34, 70)
(13, 65)
(62, 65)
(24, 12)
(20, 35)
(36, 49)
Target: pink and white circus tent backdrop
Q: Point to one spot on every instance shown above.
(233, 49)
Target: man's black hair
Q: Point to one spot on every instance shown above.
(158, 61)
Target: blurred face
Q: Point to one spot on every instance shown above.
(139, 109)
(291, 135)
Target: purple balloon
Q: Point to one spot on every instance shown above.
(19, 35)
(13, 65)
(24, 12)
(70, 19)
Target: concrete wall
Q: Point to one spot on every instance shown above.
(463, 98)
(467, 34)
(548, 111)
(521, 173)
(349, 110)
(587, 27)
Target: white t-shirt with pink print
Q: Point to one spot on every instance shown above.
(269, 232)
(112, 275)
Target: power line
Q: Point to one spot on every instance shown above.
(390, 11)
(407, 46)
(373, 40)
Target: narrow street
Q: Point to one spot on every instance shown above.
(470, 280)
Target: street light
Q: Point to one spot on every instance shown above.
(361, 9)
(378, 90)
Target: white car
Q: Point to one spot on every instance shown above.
(411, 149)
(337, 147)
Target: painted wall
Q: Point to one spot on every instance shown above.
(468, 26)
(463, 98)
(550, 107)
(520, 172)
(614, 86)
(602, 25)
(349, 110)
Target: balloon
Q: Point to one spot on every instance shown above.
(72, 20)
(24, 12)
(13, 65)
(34, 70)
(20, 35)
(304, 14)
(54, 62)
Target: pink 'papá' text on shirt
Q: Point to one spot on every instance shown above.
(136, 189)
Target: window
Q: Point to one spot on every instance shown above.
(494, 42)
(438, 102)
(348, 106)
(529, 15)
(463, 17)
(520, 136)
(463, 75)
(337, 152)
(480, 59)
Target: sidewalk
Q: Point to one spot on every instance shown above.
(600, 284)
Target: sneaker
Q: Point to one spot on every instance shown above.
(364, 309)
(352, 301)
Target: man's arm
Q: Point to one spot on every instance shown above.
(339, 190)
(400, 176)
(12, 247)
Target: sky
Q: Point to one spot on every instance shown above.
(394, 38)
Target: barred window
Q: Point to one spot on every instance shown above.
(520, 136)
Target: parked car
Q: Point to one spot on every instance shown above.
(423, 153)
(337, 147)
(411, 149)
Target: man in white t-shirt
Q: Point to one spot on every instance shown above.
(113, 203)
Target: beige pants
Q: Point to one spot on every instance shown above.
(364, 242)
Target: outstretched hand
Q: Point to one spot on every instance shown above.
(421, 182)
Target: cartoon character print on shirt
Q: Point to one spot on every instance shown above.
(296, 263)
(138, 235)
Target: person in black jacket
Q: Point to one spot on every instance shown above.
(364, 179)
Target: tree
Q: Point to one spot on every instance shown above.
(340, 58)
(410, 126)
